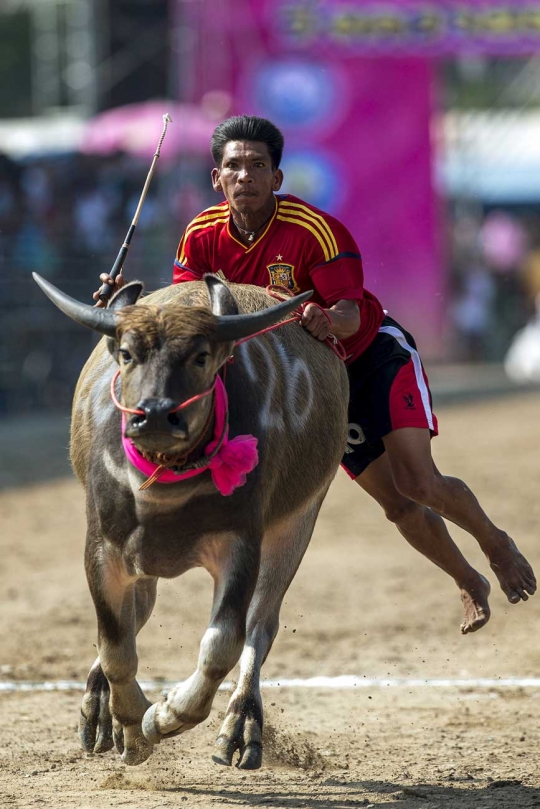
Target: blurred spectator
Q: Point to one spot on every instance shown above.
(504, 245)
(495, 277)
(473, 315)
(504, 242)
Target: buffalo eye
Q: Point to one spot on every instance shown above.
(124, 355)
(201, 358)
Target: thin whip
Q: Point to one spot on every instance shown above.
(107, 289)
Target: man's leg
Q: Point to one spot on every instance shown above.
(427, 533)
(417, 478)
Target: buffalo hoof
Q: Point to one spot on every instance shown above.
(95, 723)
(161, 722)
(241, 733)
(250, 756)
(96, 737)
(136, 747)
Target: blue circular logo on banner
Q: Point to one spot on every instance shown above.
(295, 93)
(314, 178)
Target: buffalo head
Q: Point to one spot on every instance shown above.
(168, 354)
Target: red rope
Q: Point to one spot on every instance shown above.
(195, 398)
(292, 319)
(116, 400)
(281, 293)
(141, 412)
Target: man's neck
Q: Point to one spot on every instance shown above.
(250, 225)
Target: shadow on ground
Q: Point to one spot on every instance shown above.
(497, 795)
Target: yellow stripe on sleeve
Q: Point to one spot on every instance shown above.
(179, 252)
(317, 219)
(308, 226)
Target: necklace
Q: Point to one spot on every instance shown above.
(251, 233)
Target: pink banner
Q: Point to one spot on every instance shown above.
(358, 145)
(356, 123)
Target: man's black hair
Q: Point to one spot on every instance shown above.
(247, 127)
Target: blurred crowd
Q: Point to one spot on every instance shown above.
(495, 279)
(66, 217)
(69, 214)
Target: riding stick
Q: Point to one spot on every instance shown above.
(106, 290)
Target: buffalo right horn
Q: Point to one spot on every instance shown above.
(233, 327)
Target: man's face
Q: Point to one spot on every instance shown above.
(246, 176)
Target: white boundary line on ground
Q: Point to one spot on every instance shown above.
(343, 682)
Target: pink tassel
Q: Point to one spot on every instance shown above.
(233, 462)
(228, 468)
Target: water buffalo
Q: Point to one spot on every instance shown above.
(249, 529)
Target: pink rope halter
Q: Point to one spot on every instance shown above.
(181, 406)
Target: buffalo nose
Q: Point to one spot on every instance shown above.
(156, 416)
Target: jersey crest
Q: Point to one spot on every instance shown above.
(282, 275)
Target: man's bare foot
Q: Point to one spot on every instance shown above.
(514, 573)
(476, 610)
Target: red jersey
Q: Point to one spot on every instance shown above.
(300, 248)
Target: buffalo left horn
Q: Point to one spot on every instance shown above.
(101, 320)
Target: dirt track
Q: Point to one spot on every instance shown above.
(362, 603)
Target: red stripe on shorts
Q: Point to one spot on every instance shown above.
(406, 405)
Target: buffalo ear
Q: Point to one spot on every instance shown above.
(126, 295)
(221, 298)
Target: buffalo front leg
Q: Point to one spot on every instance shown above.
(234, 568)
(282, 552)
(97, 731)
(123, 604)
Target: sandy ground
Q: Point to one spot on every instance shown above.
(363, 603)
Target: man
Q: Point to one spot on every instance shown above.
(259, 237)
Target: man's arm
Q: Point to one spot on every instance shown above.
(337, 276)
(342, 320)
(182, 273)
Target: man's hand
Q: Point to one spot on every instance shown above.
(342, 320)
(316, 321)
(117, 283)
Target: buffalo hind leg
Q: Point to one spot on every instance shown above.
(98, 730)
(282, 551)
(234, 567)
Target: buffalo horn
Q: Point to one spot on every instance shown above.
(101, 320)
(233, 327)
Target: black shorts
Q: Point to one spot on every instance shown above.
(389, 389)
